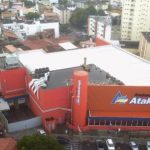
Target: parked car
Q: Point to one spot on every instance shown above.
(148, 145)
(100, 144)
(62, 140)
(41, 131)
(133, 145)
(110, 144)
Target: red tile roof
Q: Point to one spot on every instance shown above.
(36, 44)
(50, 45)
(11, 48)
(10, 34)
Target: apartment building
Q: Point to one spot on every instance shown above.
(135, 19)
(63, 13)
(99, 26)
(144, 45)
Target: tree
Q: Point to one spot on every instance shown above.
(64, 2)
(109, 8)
(101, 12)
(64, 28)
(29, 4)
(80, 16)
(32, 15)
(91, 10)
(38, 142)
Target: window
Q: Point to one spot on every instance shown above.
(21, 27)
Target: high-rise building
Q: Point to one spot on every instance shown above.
(135, 19)
(99, 26)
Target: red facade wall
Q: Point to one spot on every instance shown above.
(100, 98)
(51, 98)
(13, 82)
(50, 102)
(79, 107)
(58, 102)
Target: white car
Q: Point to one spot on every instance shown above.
(133, 145)
(148, 145)
(41, 131)
(110, 144)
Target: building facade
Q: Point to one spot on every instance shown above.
(135, 19)
(63, 13)
(99, 26)
(78, 96)
(144, 45)
(23, 29)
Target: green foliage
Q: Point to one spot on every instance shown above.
(39, 142)
(32, 15)
(28, 4)
(64, 28)
(77, 42)
(109, 8)
(63, 2)
(101, 12)
(80, 16)
(91, 10)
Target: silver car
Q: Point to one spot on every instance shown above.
(133, 145)
(148, 145)
(110, 144)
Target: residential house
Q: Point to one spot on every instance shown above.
(63, 12)
(28, 28)
(144, 45)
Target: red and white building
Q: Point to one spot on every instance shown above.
(102, 87)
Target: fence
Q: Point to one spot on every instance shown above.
(3, 120)
(25, 124)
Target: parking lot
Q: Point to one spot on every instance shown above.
(88, 141)
(118, 146)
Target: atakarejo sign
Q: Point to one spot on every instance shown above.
(137, 99)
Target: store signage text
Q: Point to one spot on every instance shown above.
(137, 99)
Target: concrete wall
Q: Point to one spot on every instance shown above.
(26, 124)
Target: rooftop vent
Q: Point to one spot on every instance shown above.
(41, 72)
(11, 62)
(85, 66)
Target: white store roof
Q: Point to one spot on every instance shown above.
(126, 67)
